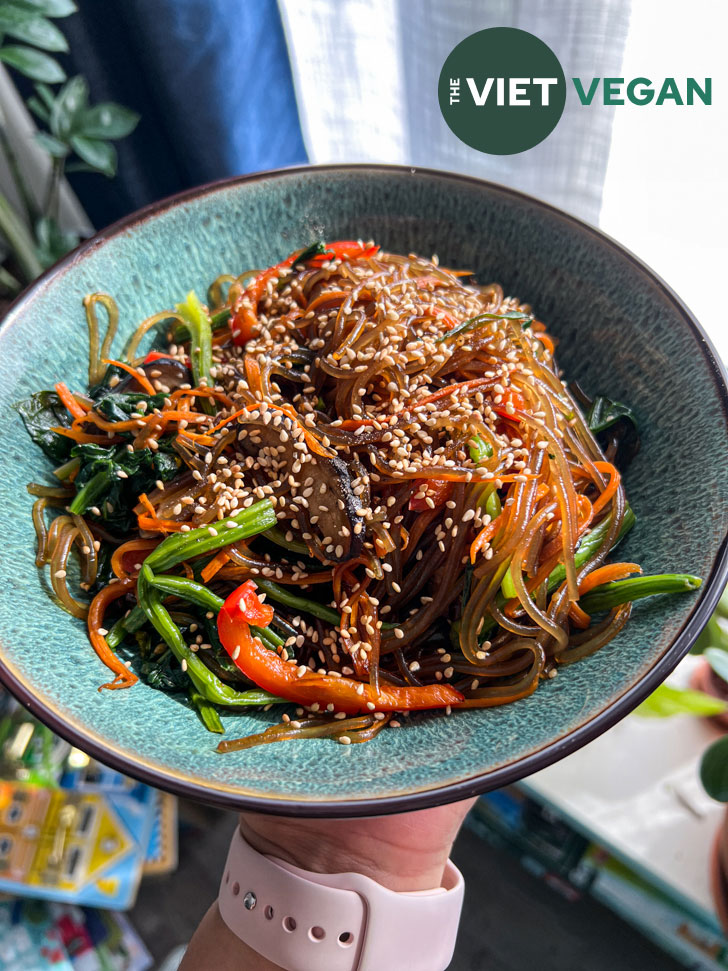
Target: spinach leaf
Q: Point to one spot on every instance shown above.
(315, 249)
(99, 484)
(104, 572)
(604, 413)
(164, 673)
(41, 412)
(119, 407)
(611, 421)
(100, 390)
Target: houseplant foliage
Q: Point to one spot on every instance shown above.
(77, 136)
(707, 696)
(713, 646)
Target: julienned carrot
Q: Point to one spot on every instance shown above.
(134, 424)
(83, 438)
(69, 402)
(441, 314)
(482, 538)
(449, 389)
(124, 677)
(547, 342)
(201, 393)
(153, 524)
(608, 492)
(141, 378)
(152, 521)
(147, 503)
(603, 574)
(195, 437)
(614, 479)
(216, 563)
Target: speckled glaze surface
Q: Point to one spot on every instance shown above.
(622, 332)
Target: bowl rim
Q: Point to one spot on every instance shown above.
(229, 797)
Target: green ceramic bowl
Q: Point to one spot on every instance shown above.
(622, 332)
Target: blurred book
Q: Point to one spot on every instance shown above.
(551, 849)
(36, 935)
(72, 829)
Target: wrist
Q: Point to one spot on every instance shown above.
(414, 860)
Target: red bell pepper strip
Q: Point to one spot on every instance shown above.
(272, 673)
(244, 316)
(439, 490)
(345, 249)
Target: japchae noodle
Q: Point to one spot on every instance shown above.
(385, 449)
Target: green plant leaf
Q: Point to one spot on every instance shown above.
(722, 608)
(108, 120)
(714, 770)
(52, 241)
(101, 156)
(714, 634)
(51, 8)
(46, 95)
(33, 64)
(39, 109)
(718, 660)
(78, 167)
(666, 701)
(67, 107)
(54, 147)
(25, 25)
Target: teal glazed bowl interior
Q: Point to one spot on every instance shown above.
(621, 332)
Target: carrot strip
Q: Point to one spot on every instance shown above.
(83, 438)
(153, 524)
(606, 574)
(215, 564)
(141, 378)
(614, 480)
(453, 388)
(482, 538)
(69, 402)
(603, 574)
(201, 393)
(195, 437)
(133, 423)
(547, 342)
(124, 677)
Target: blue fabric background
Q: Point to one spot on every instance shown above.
(211, 80)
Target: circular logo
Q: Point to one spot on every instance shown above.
(502, 90)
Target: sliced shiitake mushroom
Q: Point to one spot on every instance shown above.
(329, 513)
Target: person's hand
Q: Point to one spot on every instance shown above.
(403, 852)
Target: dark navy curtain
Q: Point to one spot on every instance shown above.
(211, 80)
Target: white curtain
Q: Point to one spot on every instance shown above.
(366, 74)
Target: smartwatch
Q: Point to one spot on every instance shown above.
(305, 921)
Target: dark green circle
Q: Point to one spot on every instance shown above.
(508, 53)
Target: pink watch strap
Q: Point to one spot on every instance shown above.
(306, 921)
